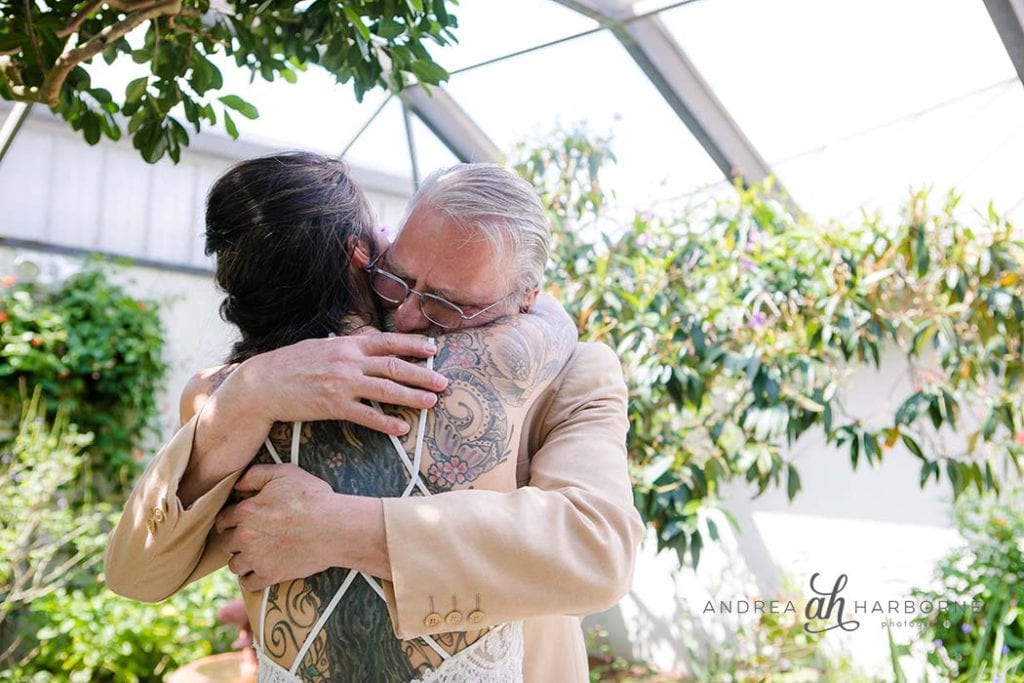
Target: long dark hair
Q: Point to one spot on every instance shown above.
(282, 229)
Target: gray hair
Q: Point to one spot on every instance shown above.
(502, 207)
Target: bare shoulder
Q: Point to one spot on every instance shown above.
(200, 387)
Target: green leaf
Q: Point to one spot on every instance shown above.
(428, 72)
(229, 125)
(792, 481)
(241, 106)
(913, 447)
(135, 89)
(357, 22)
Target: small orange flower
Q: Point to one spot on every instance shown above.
(9, 281)
(36, 342)
(141, 305)
(4, 317)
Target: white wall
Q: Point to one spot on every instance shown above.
(875, 525)
(57, 190)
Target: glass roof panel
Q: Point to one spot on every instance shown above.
(382, 146)
(494, 28)
(854, 103)
(431, 153)
(590, 80)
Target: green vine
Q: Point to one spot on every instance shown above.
(738, 322)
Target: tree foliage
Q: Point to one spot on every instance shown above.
(737, 326)
(49, 51)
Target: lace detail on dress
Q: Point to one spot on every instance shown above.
(496, 658)
(269, 671)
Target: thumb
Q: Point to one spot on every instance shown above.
(257, 477)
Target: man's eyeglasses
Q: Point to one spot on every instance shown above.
(438, 310)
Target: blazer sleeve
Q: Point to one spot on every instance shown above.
(564, 544)
(158, 546)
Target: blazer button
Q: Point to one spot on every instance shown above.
(431, 620)
(475, 617)
(453, 618)
(158, 515)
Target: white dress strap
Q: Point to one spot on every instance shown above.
(322, 621)
(296, 433)
(427, 639)
(273, 453)
(415, 481)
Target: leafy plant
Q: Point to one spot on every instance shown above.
(738, 322)
(90, 634)
(42, 539)
(988, 570)
(47, 51)
(57, 619)
(95, 350)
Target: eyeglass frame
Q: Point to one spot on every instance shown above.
(373, 269)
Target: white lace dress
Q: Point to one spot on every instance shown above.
(496, 657)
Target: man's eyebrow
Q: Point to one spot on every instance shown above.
(452, 296)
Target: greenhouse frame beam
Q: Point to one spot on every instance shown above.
(1008, 16)
(11, 125)
(649, 42)
(451, 124)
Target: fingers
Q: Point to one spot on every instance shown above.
(406, 373)
(397, 344)
(369, 416)
(239, 565)
(386, 391)
(259, 476)
(227, 519)
(253, 583)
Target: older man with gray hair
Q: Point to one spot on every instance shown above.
(473, 248)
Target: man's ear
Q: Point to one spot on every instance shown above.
(529, 300)
(358, 252)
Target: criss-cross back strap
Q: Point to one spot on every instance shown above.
(415, 481)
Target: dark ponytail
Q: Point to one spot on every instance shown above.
(282, 228)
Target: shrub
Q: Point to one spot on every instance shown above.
(736, 323)
(96, 351)
(57, 619)
(986, 644)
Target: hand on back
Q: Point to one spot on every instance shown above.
(328, 379)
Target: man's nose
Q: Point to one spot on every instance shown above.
(409, 317)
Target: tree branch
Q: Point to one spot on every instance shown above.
(49, 92)
(76, 24)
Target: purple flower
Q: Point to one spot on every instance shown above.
(966, 628)
(757, 320)
(62, 502)
(1006, 649)
(6, 459)
(747, 263)
(937, 643)
(997, 679)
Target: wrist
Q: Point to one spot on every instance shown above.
(357, 525)
(245, 398)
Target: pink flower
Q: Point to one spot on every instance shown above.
(448, 472)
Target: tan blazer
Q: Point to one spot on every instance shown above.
(561, 546)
